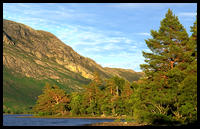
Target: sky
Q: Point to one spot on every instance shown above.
(112, 34)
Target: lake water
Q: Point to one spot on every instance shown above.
(12, 120)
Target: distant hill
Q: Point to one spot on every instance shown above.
(127, 74)
(33, 57)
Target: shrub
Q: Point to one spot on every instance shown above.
(161, 119)
(44, 113)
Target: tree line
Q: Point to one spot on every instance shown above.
(166, 94)
(109, 97)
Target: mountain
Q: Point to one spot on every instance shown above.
(127, 74)
(33, 57)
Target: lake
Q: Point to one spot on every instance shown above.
(12, 120)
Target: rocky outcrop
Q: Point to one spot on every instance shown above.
(40, 54)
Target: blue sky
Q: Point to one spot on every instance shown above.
(112, 34)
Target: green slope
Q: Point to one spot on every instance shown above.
(20, 92)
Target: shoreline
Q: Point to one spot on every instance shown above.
(116, 124)
(72, 117)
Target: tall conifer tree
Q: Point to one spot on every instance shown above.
(163, 69)
(187, 96)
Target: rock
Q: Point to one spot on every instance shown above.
(39, 62)
(38, 55)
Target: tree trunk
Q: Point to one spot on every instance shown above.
(117, 91)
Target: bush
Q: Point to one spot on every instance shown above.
(44, 113)
(129, 119)
(141, 116)
(160, 119)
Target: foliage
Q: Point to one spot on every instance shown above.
(53, 101)
(75, 103)
(168, 93)
(112, 99)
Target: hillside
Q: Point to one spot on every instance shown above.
(128, 74)
(33, 57)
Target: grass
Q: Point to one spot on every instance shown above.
(20, 92)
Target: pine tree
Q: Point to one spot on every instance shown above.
(126, 104)
(76, 103)
(53, 101)
(187, 97)
(193, 40)
(92, 93)
(164, 70)
(167, 46)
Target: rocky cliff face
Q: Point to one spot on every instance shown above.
(41, 55)
(33, 57)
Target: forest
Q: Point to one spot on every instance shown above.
(167, 94)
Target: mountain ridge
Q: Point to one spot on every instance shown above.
(65, 55)
(41, 56)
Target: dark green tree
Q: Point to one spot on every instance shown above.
(92, 93)
(165, 70)
(76, 103)
(187, 96)
(114, 87)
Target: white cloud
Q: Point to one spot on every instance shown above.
(133, 5)
(92, 49)
(144, 34)
(118, 40)
(48, 11)
(147, 5)
(187, 14)
(112, 47)
(92, 38)
(132, 48)
(128, 41)
(102, 48)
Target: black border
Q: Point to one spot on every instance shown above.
(105, 1)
